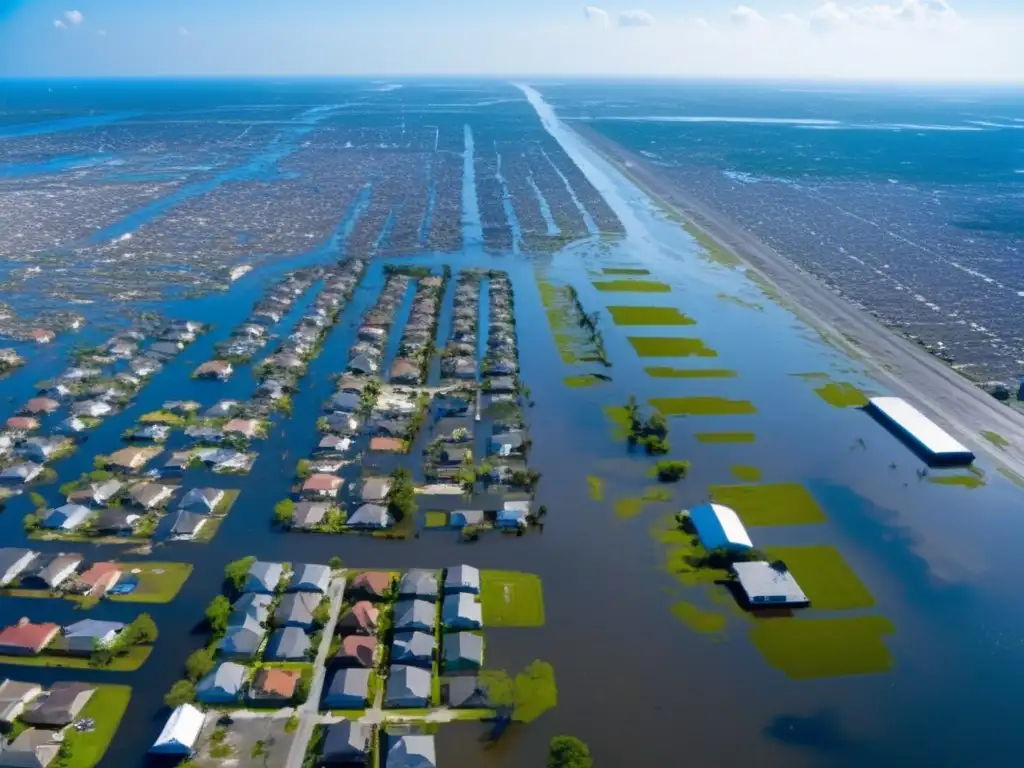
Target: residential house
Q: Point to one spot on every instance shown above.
(72, 425)
(263, 578)
(20, 474)
(67, 517)
(164, 350)
(273, 686)
(186, 525)
(150, 495)
(462, 650)
(202, 500)
(309, 514)
(413, 648)
(26, 638)
(214, 369)
(375, 490)
(155, 433)
(506, 444)
(407, 688)
(41, 335)
(242, 641)
(288, 644)
(454, 457)
(22, 423)
(271, 389)
(14, 561)
(310, 577)
(371, 585)
(93, 408)
(461, 611)
(348, 689)
(83, 637)
(341, 423)
(296, 610)
(250, 606)
(131, 459)
(467, 693)
(370, 516)
(39, 405)
(501, 385)
(223, 685)
(333, 444)
(404, 371)
(360, 619)
(462, 578)
(247, 428)
(411, 750)
(394, 428)
(144, 366)
(14, 697)
(31, 748)
(414, 615)
(418, 583)
(97, 579)
(40, 449)
(96, 494)
(221, 409)
(321, 486)
(180, 733)
(59, 705)
(460, 518)
(363, 364)
(515, 514)
(116, 521)
(51, 572)
(388, 445)
(357, 651)
(346, 402)
(199, 434)
(346, 744)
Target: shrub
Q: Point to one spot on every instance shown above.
(199, 663)
(142, 630)
(236, 571)
(669, 471)
(655, 446)
(335, 563)
(217, 613)
(31, 522)
(401, 499)
(302, 470)
(38, 502)
(182, 692)
(568, 752)
(284, 512)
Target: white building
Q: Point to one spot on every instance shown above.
(765, 584)
(180, 733)
(719, 527)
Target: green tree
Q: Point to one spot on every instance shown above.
(401, 498)
(142, 630)
(568, 752)
(182, 692)
(236, 571)
(334, 562)
(302, 470)
(198, 664)
(30, 522)
(284, 512)
(38, 502)
(217, 613)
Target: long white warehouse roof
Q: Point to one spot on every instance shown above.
(926, 432)
(181, 731)
(719, 526)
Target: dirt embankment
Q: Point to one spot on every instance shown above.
(909, 371)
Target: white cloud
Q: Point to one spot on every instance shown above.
(831, 15)
(744, 16)
(635, 19)
(828, 16)
(596, 15)
(74, 17)
(59, 24)
(183, 31)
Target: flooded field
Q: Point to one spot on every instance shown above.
(498, 245)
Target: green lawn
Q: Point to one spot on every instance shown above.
(435, 519)
(702, 406)
(824, 576)
(628, 508)
(725, 437)
(666, 372)
(841, 395)
(995, 438)
(163, 417)
(225, 505)
(583, 380)
(964, 481)
(745, 473)
(778, 504)
(683, 555)
(634, 286)
(129, 662)
(106, 707)
(804, 649)
(663, 346)
(624, 271)
(649, 316)
(698, 619)
(511, 599)
(158, 582)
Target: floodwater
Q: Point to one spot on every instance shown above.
(636, 683)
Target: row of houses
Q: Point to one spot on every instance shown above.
(367, 352)
(81, 638)
(459, 359)
(29, 569)
(417, 342)
(38, 716)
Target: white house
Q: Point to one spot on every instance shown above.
(768, 584)
(180, 733)
(719, 527)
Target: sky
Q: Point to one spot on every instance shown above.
(899, 40)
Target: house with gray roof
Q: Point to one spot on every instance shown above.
(461, 611)
(59, 705)
(413, 648)
(202, 500)
(415, 615)
(375, 489)
(296, 610)
(309, 513)
(407, 688)
(224, 685)
(370, 516)
(349, 689)
(150, 495)
(462, 578)
(242, 641)
(186, 525)
(51, 572)
(310, 577)
(418, 583)
(96, 494)
(19, 474)
(116, 521)
(466, 693)
(250, 606)
(288, 644)
(67, 517)
(346, 743)
(411, 750)
(14, 561)
(86, 635)
(14, 696)
(33, 748)
(263, 577)
(462, 650)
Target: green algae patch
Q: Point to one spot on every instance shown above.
(595, 488)
(619, 416)
(995, 438)
(511, 599)
(746, 473)
(739, 302)
(824, 576)
(701, 406)
(709, 622)
(964, 481)
(624, 271)
(710, 249)
(684, 557)
(1014, 477)
(657, 493)
(805, 649)
(773, 504)
(631, 286)
(649, 316)
(435, 519)
(666, 372)
(840, 394)
(628, 508)
(726, 437)
(584, 380)
(661, 346)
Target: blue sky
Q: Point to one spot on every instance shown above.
(848, 39)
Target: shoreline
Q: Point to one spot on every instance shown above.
(934, 388)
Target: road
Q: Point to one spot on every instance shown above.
(308, 711)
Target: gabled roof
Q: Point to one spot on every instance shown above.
(67, 517)
(242, 640)
(201, 499)
(467, 692)
(420, 583)
(461, 611)
(180, 732)
(372, 583)
(279, 683)
(407, 685)
(462, 578)
(463, 648)
(227, 678)
(346, 742)
(263, 577)
(357, 650)
(415, 614)
(415, 648)
(412, 751)
(375, 489)
(347, 687)
(309, 513)
(250, 606)
(93, 628)
(290, 643)
(371, 516)
(310, 577)
(296, 609)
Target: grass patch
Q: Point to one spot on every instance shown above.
(158, 582)
(624, 271)
(995, 438)
(697, 619)
(649, 316)
(964, 481)
(619, 417)
(702, 406)
(825, 577)
(163, 417)
(435, 519)
(105, 707)
(129, 661)
(804, 649)
(683, 552)
(725, 437)
(511, 599)
(631, 286)
(657, 493)
(746, 473)
(840, 394)
(710, 249)
(778, 504)
(666, 372)
(595, 488)
(662, 346)
(628, 508)
(1014, 477)
(583, 380)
